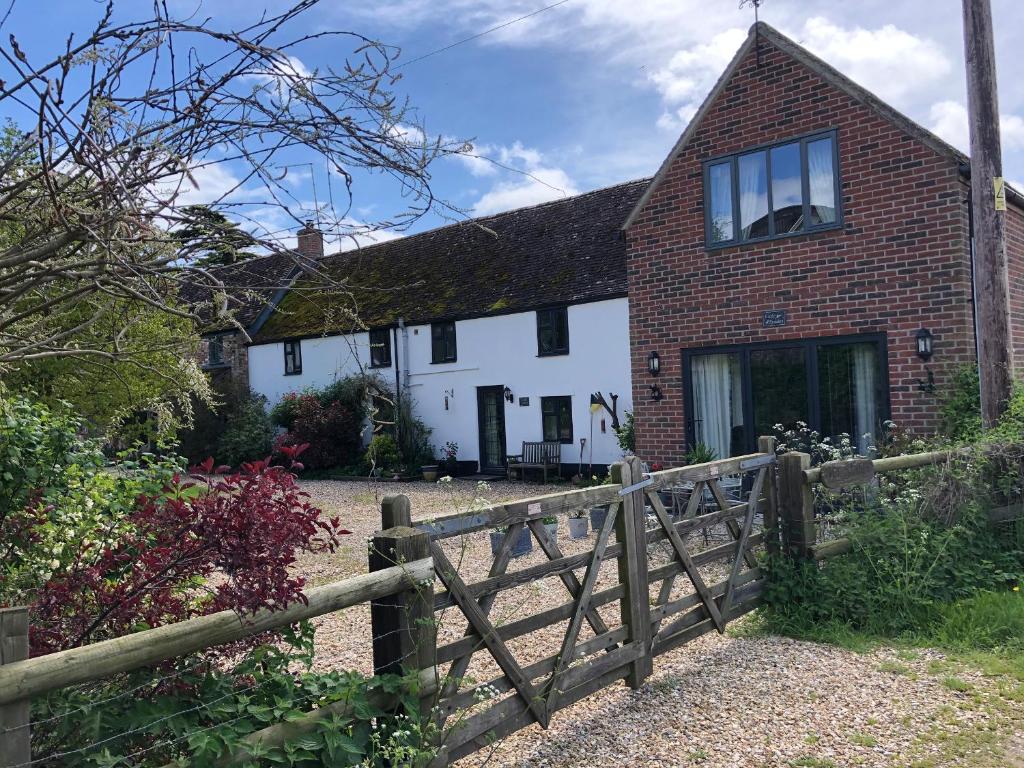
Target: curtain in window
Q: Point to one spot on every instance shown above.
(821, 176)
(754, 195)
(716, 401)
(865, 362)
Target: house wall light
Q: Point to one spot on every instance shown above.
(508, 395)
(654, 363)
(924, 344)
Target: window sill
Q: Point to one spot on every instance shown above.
(773, 238)
(553, 354)
(293, 373)
(444, 362)
(382, 365)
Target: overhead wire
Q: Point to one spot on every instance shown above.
(478, 35)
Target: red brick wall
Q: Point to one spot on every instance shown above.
(899, 263)
(1015, 264)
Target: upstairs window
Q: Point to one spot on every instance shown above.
(787, 189)
(553, 332)
(442, 342)
(215, 350)
(292, 358)
(556, 418)
(380, 348)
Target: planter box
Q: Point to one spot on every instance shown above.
(597, 518)
(552, 531)
(521, 546)
(579, 527)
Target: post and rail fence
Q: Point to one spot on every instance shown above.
(666, 588)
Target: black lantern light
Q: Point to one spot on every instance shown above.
(924, 344)
(654, 363)
(508, 395)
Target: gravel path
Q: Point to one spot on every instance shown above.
(719, 702)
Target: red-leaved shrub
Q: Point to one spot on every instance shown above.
(332, 432)
(204, 545)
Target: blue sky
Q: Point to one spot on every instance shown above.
(595, 92)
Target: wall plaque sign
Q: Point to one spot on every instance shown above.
(773, 318)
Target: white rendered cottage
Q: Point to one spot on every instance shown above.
(501, 329)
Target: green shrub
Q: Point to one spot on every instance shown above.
(626, 434)
(285, 410)
(917, 545)
(413, 438)
(383, 452)
(58, 493)
(248, 434)
(960, 405)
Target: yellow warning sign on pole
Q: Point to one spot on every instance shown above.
(1000, 186)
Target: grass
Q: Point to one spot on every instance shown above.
(812, 762)
(863, 740)
(956, 684)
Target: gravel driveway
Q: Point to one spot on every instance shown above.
(719, 702)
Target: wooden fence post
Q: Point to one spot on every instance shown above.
(631, 533)
(15, 739)
(796, 505)
(766, 444)
(404, 636)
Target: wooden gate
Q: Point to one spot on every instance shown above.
(663, 598)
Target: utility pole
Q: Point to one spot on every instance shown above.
(988, 200)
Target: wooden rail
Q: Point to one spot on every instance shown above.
(796, 501)
(406, 559)
(32, 677)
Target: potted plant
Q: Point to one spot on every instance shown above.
(597, 517)
(521, 546)
(578, 524)
(551, 523)
(429, 472)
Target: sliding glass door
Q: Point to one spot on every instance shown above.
(835, 385)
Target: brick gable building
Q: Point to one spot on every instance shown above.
(788, 255)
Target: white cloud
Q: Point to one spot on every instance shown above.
(888, 61)
(542, 185)
(522, 177)
(949, 122)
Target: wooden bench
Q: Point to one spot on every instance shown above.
(543, 456)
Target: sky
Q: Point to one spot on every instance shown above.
(594, 92)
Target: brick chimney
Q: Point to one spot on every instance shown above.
(311, 241)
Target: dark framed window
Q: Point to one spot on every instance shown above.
(442, 342)
(292, 358)
(785, 189)
(380, 348)
(556, 418)
(834, 385)
(215, 350)
(553, 331)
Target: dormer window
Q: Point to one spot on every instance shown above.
(786, 189)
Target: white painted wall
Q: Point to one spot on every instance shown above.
(492, 351)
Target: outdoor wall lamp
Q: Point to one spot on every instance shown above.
(508, 395)
(924, 344)
(654, 363)
(656, 393)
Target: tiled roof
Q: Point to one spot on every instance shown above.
(566, 251)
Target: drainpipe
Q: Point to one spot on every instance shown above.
(398, 388)
(405, 350)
